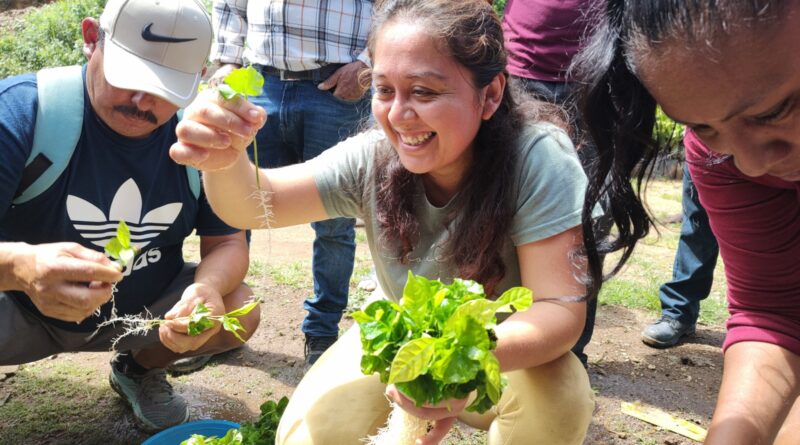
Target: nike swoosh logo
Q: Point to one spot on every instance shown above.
(152, 37)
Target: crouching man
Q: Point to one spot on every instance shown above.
(65, 186)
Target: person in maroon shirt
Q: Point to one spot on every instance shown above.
(730, 71)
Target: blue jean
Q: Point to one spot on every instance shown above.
(695, 259)
(302, 122)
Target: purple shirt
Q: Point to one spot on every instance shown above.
(542, 36)
(756, 222)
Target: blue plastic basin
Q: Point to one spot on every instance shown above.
(179, 433)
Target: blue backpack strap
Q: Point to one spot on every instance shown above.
(59, 122)
(194, 181)
(191, 173)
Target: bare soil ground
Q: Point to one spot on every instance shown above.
(682, 381)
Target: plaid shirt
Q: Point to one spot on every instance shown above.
(294, 35)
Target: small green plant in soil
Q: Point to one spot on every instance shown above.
(260, 432)
(434, 346)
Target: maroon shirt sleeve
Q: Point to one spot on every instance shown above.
(757, 224)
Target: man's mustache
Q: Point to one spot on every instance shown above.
(134, 112)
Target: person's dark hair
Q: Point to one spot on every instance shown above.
(471, 33)
(619, 112)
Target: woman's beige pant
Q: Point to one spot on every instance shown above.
(335, 404)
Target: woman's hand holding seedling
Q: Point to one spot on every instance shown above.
(65, 281)
(442, 415)
(216, 130)
(181, 332)
(436, 347)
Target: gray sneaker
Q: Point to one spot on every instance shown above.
(316, 346)
(666, 332)
(188, 364)
(154, 403)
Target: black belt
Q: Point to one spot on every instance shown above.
(317, 75)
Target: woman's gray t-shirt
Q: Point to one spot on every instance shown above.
(549, 182)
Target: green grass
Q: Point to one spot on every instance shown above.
(55, 400)
(636, 286)
(47, 36)
(296, 274)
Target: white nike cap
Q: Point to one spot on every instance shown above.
(156, 46)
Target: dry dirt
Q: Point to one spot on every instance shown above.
(682, 380)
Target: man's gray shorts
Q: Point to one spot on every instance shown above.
(26, 338)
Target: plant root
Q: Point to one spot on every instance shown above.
(133, 324)
(401, 429)
(264, 199)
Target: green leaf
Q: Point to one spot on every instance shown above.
(232, 437)
(245, 81)
(199, 326)
(494, 384)
(421, 390)
(119, 247)
(417, 295)
(244, 310)
(113, 248)
(520, 298)
(436, 344)
(412, 359)
(263, 431)
(482, 311)
(124, 234)
(199, 321)
(232, 325)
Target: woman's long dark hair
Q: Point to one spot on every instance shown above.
(471, 33)
(619, 112)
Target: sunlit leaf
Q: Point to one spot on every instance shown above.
(246, 81)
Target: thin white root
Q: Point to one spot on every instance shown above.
(264, 198)
(401, 429)
(133, 324)
(113, 313)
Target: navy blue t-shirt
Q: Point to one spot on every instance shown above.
(109, 178)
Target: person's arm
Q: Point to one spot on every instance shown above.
(63, 280)
(554, 322)
(531, 338)
(212, 137)
(223, 266)
(229, 20)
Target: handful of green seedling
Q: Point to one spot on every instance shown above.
(435, 345)
(119, 248)
(260, 432)
(201, 320)
(244, 82)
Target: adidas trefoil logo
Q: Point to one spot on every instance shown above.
(94, 226)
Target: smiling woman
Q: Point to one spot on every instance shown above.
(460, 179)
(729, 70)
